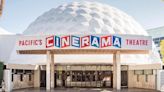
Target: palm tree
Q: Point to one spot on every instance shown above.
(1, 6)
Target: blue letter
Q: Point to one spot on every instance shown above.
(95, 41)
(117, 41)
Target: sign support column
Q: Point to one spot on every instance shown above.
(52, 70)
(116, 71)
(48, 71)
(37, 76)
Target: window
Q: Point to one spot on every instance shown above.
(146, 78)
(157, 41)
(4, 67)
(12, 77)
(161, 38)
(27, 72)
(138, 77)
(19, 71)
(21, 77)
(138, 72)
(148, 72)
(29, 77)
(79, 76)
(12, 71)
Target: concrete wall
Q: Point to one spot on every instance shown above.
(133, 83)
(37, 78)
(160, 80)
(17, 83)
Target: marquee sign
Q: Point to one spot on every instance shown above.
(131, 42)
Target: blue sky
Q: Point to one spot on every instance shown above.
(18, 14)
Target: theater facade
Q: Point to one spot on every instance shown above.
(89, 75)
(113, 73)
(81, 44)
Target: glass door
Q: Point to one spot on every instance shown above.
(124, 79)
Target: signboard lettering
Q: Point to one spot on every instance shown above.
(85, 42)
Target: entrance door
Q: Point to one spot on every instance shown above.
(83, 77)
(107, 78)
(55, 79)
(124, 79)
(64, 77)
(43, 78)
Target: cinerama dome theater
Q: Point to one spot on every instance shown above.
(140, 70)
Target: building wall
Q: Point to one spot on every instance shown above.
(132, 80)
(25, 83)
(141, 82)
(158, 36)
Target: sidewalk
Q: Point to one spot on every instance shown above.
(84, 90)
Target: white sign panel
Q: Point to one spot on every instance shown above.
(125, 42)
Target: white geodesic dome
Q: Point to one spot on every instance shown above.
(86, 18)
(4, 32)
(7, 41)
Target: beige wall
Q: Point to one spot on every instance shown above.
(17, 84)
(37, 78)
(133, 83)
(132, 79)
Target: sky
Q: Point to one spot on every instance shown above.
(18, 14)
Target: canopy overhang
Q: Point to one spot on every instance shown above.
(82, 51)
